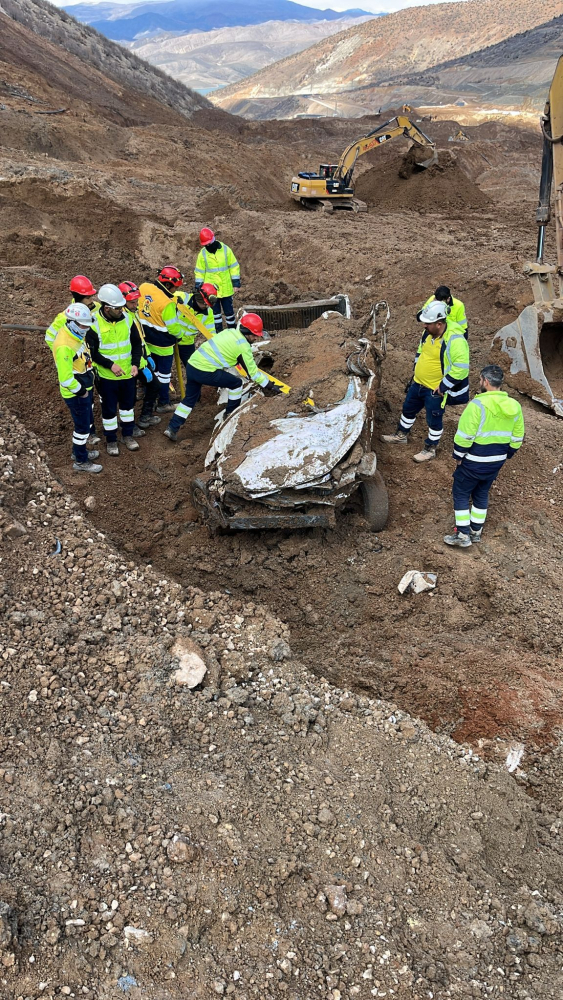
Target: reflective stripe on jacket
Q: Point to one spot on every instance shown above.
(114, 342)
(58, 322)
(74, 365)
(185, 326)
(220, 269)
(490, 430)
(454, 358)
(157, 312)
(224, 351)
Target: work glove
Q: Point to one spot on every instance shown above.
(151, 364)
(271, 389)
(147, 374)
(81, 394)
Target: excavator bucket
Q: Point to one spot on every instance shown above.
(534, 346)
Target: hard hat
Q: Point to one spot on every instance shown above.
(251, 323)
(111, 296)
(434, 312)
(171, 275)
(78, 313)
(206, 236)
(81, 285)
(208, 292)
(130, 291)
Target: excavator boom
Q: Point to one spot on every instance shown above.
(332, 186)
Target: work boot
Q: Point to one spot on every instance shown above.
(148, 420)
(165, 408)
(92, 440)
(475, 535)
(92, 455)
(397, 438)
(170, 434)
(86, 467)
(138, 432)
(131, 444)
(425, 455)
(112, 448)
(459, 539)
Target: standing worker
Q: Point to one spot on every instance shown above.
(456, 307)
(132, 295)
(209, 366)
(490, 430)
(200, 304)
(115, 346)
(441, 375)
(76, 378)
(158, 312)
(217, 265)
(83, 291)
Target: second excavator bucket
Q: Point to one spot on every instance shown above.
(533, 344)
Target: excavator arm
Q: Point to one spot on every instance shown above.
(390, 130)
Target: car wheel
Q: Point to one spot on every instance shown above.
(376, 502)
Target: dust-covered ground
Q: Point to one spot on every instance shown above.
(278, 786)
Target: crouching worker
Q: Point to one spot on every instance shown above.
(441, 374)
(209, 366)
(198, 306)
(76, 379)
(490, 430)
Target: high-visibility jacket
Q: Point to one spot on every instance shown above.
(456, 313)
(145, 349)
(114, 343)
(220, 268)
(184, 322)
(58, 322)
(490, 430)
(226, 349)
(157, 311)
(454, 359)
(73, 361)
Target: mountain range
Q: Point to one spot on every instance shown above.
(126, 22)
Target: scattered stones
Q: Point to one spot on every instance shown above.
(337, 899)
(180, 850)
(192, 667)
(15, 530)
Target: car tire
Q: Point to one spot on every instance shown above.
(376, 502)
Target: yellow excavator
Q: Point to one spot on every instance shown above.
(534, 341)
(332, 187)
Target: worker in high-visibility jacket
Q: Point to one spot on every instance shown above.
(217, 265)
(83, 291)
(158, 312)
(132, 295)
(210, 364)
(441, 376)
(115, 346)
(490, 430)
(76, 379)
(456, 307)
(200, 306)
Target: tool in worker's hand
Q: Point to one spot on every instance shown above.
(178, 363)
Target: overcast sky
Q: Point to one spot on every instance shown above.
(377, 6)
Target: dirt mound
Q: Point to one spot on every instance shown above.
(441, 188)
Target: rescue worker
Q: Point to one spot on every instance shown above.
(217, 265)
(457, 308)
(76, 379)
(157, 310)
(490, 430)
(115, 346)
(209, 366)
(83, 291)
(441, 375)
(201, 305)
(132, 295)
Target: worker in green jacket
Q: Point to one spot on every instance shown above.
(456, 307)
(441, 377)
(217, 265)
(490, 430)
(195, 314)
(210, 364)
(76, 379)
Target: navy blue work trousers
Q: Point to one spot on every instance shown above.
(470, 491)
(81, 412)
(224, 305)
(418, 398)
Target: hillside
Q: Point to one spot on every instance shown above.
(372, 53)
(207, 60)
(125, 22)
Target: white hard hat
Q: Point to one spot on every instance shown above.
(434, 312)
(111, 296)
(77, 312)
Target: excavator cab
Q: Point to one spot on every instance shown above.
(327, 169)
(533, 343)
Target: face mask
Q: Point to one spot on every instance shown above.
(78, 331)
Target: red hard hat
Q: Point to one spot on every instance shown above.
(252, 323)
(207, 290)
(82, 285)
(206, 236)
(171, 275)
(130, 291)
